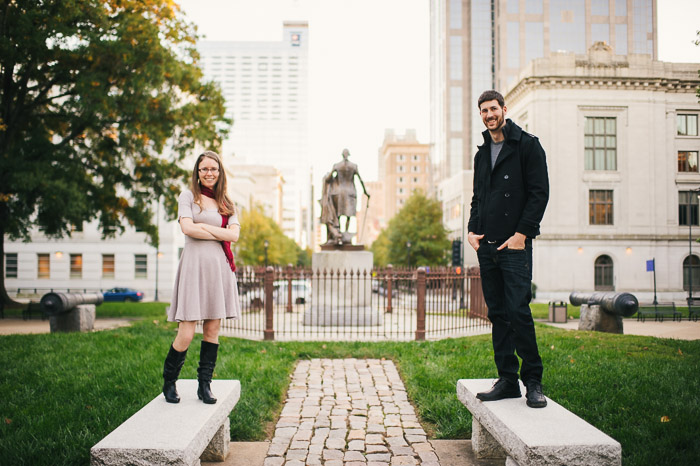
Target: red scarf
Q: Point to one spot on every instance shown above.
(226, 245)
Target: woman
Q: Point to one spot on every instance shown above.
(205, 285)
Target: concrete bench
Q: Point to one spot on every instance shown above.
(533, 437)
(173, 434)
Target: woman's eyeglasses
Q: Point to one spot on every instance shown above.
(213, 171)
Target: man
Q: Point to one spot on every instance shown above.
(511, 189)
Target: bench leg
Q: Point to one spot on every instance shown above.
(483, 444)
(217, 450)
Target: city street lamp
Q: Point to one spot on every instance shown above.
(408, 253)
(266, 244)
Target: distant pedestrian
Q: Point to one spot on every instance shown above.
(511, 190)
(205, 284)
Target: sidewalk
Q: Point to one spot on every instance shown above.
(352, 412)
(683, 330)
(9, 326)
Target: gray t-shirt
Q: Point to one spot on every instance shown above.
(495, 150)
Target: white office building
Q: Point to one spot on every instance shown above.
(85, 261)
(477, 45)
(622, 141)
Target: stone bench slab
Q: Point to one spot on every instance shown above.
(173, 434)
(546, 436)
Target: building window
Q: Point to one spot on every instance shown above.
(687, 208)
(416, 179)
(399, 157)
(603, 280)
(400, 179)
(401, 168)
(400, 191)
(688, 161)
(43, 266)
(600, 207)
(76, 266)
(11, 265)
(416, 158)
(687, 124)
(140, 266)
(600, 143)
(415, 169)
(691, 268)
(107, 265)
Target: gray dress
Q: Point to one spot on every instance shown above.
(205, 286)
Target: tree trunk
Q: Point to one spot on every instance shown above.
(5, 300)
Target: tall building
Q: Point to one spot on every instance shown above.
(404, 166)
(265, 85)
(622, 142)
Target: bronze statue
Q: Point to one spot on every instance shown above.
(339, 198)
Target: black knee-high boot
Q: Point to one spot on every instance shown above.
(171, 371)
(207, 362)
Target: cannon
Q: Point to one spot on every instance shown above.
(621, 304)
(604, 311)
(59, 303)
(70, 312)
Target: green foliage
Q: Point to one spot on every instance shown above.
(304, 256)
(256, 228)
(419, 223)
(697, 42)
(62, 393)
(380, 249)
(99, 101)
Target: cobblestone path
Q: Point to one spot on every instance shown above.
(350, 412)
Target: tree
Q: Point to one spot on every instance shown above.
(99, 100)
(380, 248)
(419, 222)
(256, 229)
(697, 42)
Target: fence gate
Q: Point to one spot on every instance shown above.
(397, 304)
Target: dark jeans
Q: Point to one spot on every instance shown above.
(505, 279)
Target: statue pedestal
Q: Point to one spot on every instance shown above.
(343, 298)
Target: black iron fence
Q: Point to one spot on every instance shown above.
(390, 303)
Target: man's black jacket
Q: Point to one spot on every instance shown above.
(513, 195)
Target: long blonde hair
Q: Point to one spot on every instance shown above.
(224, 204)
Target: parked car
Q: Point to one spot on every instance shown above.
(122, 294)
(301, 291)
(381, 288)
(383, 291)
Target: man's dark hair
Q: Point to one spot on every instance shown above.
(491, 95)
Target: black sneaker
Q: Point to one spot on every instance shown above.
(501, 389)
(534, 395)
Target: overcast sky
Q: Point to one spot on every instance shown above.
(369, 62)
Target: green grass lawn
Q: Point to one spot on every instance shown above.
(62, 393)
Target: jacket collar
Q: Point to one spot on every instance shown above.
(511, 131)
